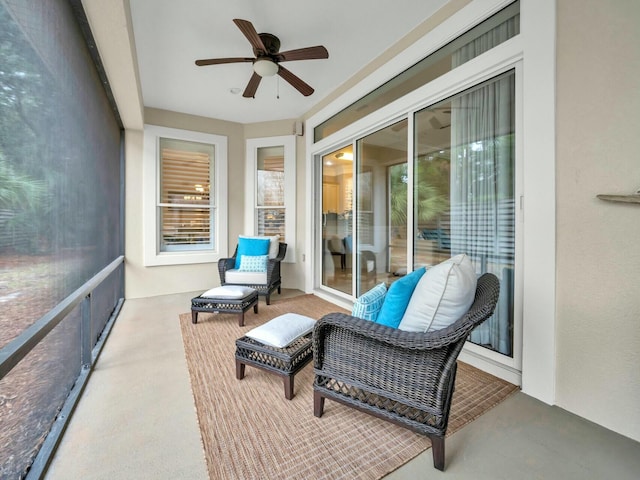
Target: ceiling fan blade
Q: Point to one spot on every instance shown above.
(252, 86)
(308, 53)
(295, 81)
(246, 27)
(218, 61)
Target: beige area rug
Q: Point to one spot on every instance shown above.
(250, 431)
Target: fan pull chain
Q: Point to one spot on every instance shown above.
(278, 88)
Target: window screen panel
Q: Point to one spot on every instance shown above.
(61, 215)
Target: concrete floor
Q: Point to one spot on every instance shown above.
(137, 420)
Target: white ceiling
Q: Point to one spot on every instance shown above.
(170, 35)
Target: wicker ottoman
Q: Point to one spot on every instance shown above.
(285, 356)
(226, 299)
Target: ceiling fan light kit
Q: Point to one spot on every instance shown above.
(265, 67)
(266, 48)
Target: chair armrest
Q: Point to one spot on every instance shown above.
(349, 325)
(273, 264)
(225, 264)
(482, 308)
(282, 251)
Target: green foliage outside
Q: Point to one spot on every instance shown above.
(431, 191)
(39, 196)
(22, 159)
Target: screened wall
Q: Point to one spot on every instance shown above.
(61, 218)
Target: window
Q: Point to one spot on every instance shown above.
(270, 209)
(185, 204)
(185, 181)
(270, 189)
(495, 30)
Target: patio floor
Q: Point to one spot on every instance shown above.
(137, 420)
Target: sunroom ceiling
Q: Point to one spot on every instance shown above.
(171, 35)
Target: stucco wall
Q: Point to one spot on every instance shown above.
(598, 243)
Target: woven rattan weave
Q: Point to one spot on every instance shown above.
(274, 280)
(285, 362)
(404, 377)
(224, 305)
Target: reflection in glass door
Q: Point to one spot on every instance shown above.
(381, 206)
(337, 219)
(364, 211)
(464, 192)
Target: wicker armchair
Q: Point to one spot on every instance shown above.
(272, 281)
(405, 377)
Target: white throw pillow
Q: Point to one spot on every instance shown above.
(443, 295)
(283, 330)
(228, 291)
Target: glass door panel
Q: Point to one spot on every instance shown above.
(337, 219)
(464, 192)
(381, 206)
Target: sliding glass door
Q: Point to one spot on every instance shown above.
(381, 206)
(382, 217)
(438, 182)
(337, 219)
(364, 211)
(464, 192)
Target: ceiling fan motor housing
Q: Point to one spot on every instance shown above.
(270, 42)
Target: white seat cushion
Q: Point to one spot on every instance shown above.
(282, 330)
(245, 278)
(230, 292)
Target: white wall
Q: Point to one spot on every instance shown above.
(598, 243)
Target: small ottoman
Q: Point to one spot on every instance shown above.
(281, 346)
(225, 299)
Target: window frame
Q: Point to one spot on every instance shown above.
(251, 169)
(151, 197)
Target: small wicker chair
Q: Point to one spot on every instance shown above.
(273, 282)
(405, 377)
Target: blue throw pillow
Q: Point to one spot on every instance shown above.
(397, 298)
(257, 263)
(368, 306)
(252, 247)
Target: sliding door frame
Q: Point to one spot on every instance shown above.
(502, 58)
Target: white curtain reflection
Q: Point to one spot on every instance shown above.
(482, 195)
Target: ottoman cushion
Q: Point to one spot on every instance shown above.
(282, 330)
(228, 292)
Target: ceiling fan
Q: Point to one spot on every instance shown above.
(266, 48)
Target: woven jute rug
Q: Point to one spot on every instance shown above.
(250, 431)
